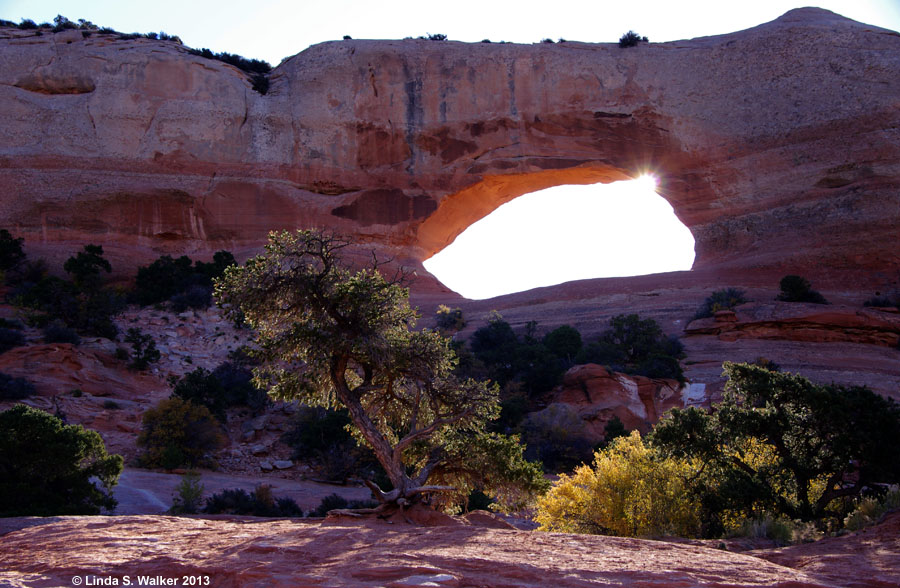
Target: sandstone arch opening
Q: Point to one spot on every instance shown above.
(565, 233)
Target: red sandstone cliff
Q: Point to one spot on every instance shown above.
(778, 146)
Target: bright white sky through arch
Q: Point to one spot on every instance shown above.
(276, 29)
(566, 233)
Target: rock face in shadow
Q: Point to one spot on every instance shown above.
(778, 146)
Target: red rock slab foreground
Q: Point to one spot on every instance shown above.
(368, 553)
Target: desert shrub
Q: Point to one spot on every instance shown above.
(10, 338)
(450, 319)
(195, 296)
(564, 342)
(636, 346)
(11, 253)
(178, 433)
(555, 436)
(631, 39)
(725, 299)
(143, 349)
(15, 388)
(869, 510)
(884, 301)
(188, 499)
(335, 502)
(547, 40)
(58, 332)
(188, 284)
(499, 354)
(203, 388)
(629, 490)
(62, 23)
(226, 386)
(50, 468)
(259, 503)
(86, 265)
(256, 69)
(11, 324)
(162, 279)
(779, 444)
(778, 529)
(27, 24)
(798, 289)
(320, 437)
(435, 37)
(614, 429)
(81, 304)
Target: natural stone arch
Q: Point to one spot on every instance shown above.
(460, 210)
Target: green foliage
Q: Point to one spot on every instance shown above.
(226, 386)
(506, 358)
(884, 301)
(780, 444)
(725, 299)
(614, 429)
(81, 304)
(256, 69)
(143, 349)
(58, 332)
(636, 346)
(10, 338)
(631, 39)
(630, 490)
(329, 336)
(188, 284)
(564, 342)
(11, 253)
(335, 502)
(798, 289)
(190, 494)
(178, 433)
(321, 438)
(14, 388)
(450, 320)
(85, 266)
(259, 503)
(49, 468)
(435, 37)
(556, 437)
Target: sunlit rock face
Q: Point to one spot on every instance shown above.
(777, 146)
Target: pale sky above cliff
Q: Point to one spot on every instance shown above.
(564, 234)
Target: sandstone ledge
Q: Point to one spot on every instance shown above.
(263, 552)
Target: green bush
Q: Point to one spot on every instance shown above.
(11, 254)
(58, 332)
(564, 342)
(10, 338)
(336, 502)
(49, 468)
(190, 494)
(798, 289)
(178, 433)
(631, 39)
(636, 346)
(143, 349)
(226, 386)
(15, 388)
(85, 266)
(450, 319)
(259, 503)
(188, 284)
(320, 437)
(555, 436)
(725, 299)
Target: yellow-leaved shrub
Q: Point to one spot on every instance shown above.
(629, 490)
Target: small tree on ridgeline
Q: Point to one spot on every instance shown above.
(333, 337)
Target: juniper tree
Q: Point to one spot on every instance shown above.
(331, 336)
